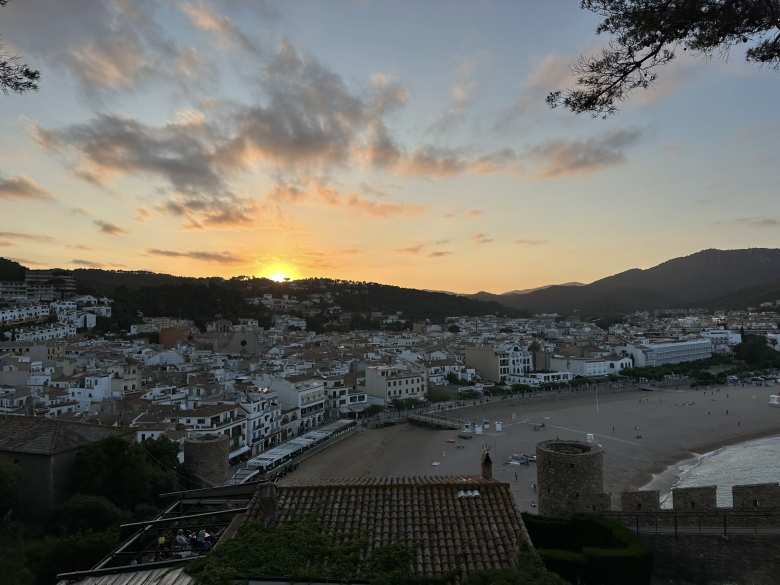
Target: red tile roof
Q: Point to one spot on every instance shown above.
(458, 525)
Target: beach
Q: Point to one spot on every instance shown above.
(643, 434)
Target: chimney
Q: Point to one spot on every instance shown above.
(487, 465)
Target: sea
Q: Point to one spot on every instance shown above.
(755, 461)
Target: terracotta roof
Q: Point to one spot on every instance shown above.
(45, 436)
(458, 525)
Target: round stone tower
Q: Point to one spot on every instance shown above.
(206, 458)
(569, 476)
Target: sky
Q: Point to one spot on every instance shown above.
(398, 142)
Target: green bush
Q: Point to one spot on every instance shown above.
(568, 564)
(590, 550)
(82, 512)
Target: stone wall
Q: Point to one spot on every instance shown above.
(739, 559)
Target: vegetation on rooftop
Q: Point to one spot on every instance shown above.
(303, 552)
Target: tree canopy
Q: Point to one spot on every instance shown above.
(128, 474)
(15, 76)
(646, 34)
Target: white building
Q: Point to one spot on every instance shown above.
(503, 364)
(304, 393)
(387, 383)
(263, 413)
(590, 367)
(23, 314)
(540, 378)
(672, 352)
(45, 332)
(723, 340)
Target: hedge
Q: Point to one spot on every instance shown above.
(590, 550)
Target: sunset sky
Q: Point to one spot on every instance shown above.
(399, 142)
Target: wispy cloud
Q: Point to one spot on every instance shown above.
(566, 157)
(222, 27)
(318, 191)
(482, 238)
(217, 257)
(755, 222)
(27, 237)
(109, 228)
(22, 188)
(439, 253)
(462, 95)
(525, 242)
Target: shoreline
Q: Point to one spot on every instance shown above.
(644, 434)
(667, 479)
(706, 449)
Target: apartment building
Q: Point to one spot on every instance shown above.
(672, 352)
(388, 383)
(217, 419)
(263, 413)
(541, 378)
(503, 364)
(23, 314)
(590, 367)
(44, 332)
(303, 392)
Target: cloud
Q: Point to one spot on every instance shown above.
(107, 46)
(142, 214)
(481, 238)
(560, 158)
(524, 242)
(109, 228)
(86, 263)
(753, 222)
(79, 247)
(27, 237)
(424, 247)
(218, 257)
(461, 97)
(222, 27)
(319, 191)
(552, 72)
(22, 188)
(415, 249)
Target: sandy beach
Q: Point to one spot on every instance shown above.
(642, 433)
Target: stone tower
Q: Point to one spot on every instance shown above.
(570, 478)
(206, 458)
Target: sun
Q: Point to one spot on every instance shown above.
(278, 272)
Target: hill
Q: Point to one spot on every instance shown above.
(202, 299)
(710, 278)
(11, 270)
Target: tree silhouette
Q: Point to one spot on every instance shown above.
(15, 76)
(646, 34)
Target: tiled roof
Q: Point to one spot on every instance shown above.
(458, 525)
(45, 436)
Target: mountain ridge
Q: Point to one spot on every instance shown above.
(709, 278)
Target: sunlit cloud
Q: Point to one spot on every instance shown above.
(319, 192)
(482, 238)
(109, 228)
(38, 238)
(218, 257)
(22, 188)
(566, 157)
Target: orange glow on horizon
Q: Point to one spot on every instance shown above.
(278, 272)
